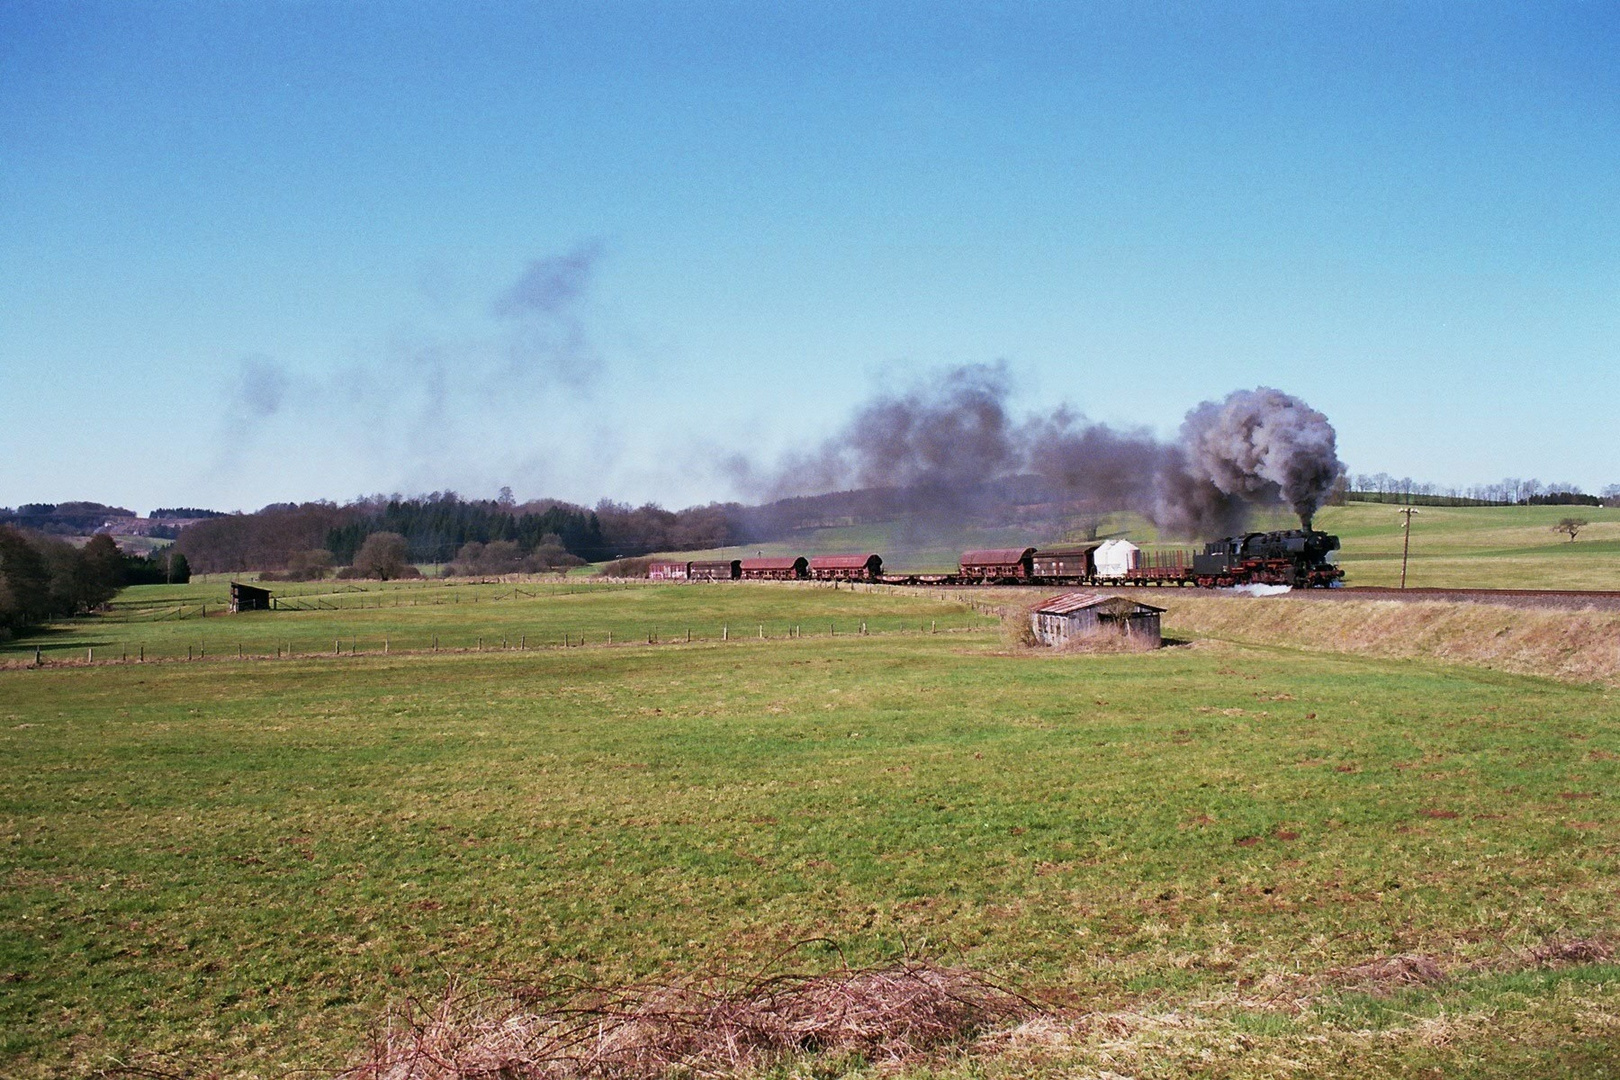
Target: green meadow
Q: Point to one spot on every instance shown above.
(237, 868)
(1494, 547)
(181, 621)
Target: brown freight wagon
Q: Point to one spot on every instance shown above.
(787, 568)
(998, 564)
(715, 570)
(1070, 563)
(846, 567)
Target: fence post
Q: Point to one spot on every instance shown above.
(188, 652)
(38, 662)
(143, 654)
(90, 655)
(610, 637)
(385, 641)
(725, 632)
(523, 642)
(337, 646)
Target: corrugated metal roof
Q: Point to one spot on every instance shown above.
(784, 563)
(1063, 552)
(997, 555)
(841, 562)
(1080, 601)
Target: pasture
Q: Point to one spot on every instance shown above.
(181, 621)
(1187, 857)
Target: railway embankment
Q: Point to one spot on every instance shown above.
(1580, 644)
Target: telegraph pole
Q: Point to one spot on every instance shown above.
(1406, 545)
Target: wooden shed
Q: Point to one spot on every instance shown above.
(1089, 614)
(249, 597)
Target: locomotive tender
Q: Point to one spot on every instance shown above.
(1298, 558)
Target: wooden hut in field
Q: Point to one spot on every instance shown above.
(1079, 615)
(249, 597)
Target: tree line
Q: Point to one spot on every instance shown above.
(43, 578)
(308, 540)
(1509, 491)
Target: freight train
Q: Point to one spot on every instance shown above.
(1299, 558)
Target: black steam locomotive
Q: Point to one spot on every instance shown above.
(1301, 558)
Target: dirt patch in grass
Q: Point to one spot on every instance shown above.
(893, 1014)
(1387, 974)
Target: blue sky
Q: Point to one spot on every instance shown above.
(263, 252)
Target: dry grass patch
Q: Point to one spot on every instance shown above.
(893, 1014)
(1578, 646)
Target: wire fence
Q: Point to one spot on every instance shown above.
(427, 644)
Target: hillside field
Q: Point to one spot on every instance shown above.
(1187, 858)
(1452, 547)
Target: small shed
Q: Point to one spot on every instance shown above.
(1089, 614)
(249, 597)
(846, 567)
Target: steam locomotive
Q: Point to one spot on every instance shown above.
(1298, 558)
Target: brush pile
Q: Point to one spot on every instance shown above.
(893, 1014)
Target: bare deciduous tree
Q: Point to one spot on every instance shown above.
(1571, 525)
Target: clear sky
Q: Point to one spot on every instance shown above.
(256, 252)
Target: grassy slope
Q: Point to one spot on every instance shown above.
(245, 863)
(1486, 547)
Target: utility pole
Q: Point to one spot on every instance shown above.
(1406, 545)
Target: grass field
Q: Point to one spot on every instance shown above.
(412, 616)
(1479, 547)
(244, 865)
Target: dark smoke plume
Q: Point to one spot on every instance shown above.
(951, 449)
(1256, 447)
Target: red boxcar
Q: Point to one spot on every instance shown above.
(998, 564)
(846, 567)
(787, 568)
